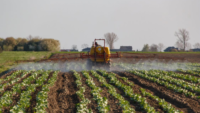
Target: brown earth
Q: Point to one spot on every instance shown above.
(134, 105)
(63, 99)
(62, 96)
(5, 74)
(179, 101)
(191, 57)
(134, 57)
(16, 97)
(33, 100)
(112, 102)
(136, 90)
(10, 79)
(9, 87)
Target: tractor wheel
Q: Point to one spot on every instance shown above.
(89, 64)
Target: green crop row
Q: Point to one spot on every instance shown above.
(189, 86)
(122, 102)
(12, 76)
(6, 99)
(102, 102)
(129, 92)
(82, 106)
(42, 96)
(168, 85)
(25, 96)
(168, 108)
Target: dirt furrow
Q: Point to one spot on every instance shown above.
(6, 74)
(8, 88)
(134, 105)
(16, 97)
(88, 95)
(179, 101)
(33, 101)
(112, 101)
(186, 73)
(136, 89)
(11, 79)
(62, 97)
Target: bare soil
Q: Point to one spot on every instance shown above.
(33, 100)
(9, 87)
(16, 97)
(136, 89)
(62, 96)
(134, 57)
(5, 74)
(112, 102)
(179, 101)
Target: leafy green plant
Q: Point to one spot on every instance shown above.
(81, 106)
(166, 107)
(101, 101)
(129, 92)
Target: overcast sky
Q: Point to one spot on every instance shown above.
(77, 22)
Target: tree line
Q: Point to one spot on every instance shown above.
(182, 43)
(29, 44)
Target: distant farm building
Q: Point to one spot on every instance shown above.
(196, 50)
(171, 49)
(86, 49)
(125, 48)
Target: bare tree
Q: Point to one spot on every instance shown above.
(196, 45)
(110, 39)
(179, 45)
(154, 48)
(183, 37)
(160, 46)
(84, 46)
(74, 47)
(188, 46)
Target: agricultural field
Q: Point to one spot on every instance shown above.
(137, 86)
(10, 58)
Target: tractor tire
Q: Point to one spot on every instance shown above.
(89, 64)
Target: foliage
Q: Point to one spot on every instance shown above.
(122, 102)
(154, 48)
(10, 41)
(42, 96)
(129, 92)
(168, 108)
(167, 84)
(49, 45)
(145, 48)
(82, 106)
(32, 44)
(101, 101)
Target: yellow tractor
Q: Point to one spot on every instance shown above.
(99, 56)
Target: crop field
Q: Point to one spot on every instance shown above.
(128, 88)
